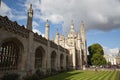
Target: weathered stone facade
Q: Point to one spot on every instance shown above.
(22, 50)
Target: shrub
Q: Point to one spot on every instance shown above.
(12, 76)
(32, 77)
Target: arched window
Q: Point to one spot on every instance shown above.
(39, 57)
(9, 56)
(53, 61)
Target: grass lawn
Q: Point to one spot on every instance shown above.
(86, 75)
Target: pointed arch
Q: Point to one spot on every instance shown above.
(11, 50)
(39, 57)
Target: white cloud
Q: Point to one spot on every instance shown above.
(113, 51)
(53, 18)
(37, 31)
(35, 24)
(6, 10)
(97, 14)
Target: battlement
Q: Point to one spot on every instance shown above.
(13, 27)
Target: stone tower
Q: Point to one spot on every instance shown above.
(47, 30)
(70, 41)
(79, 53)
(83, 44)
(30, 17)
(71, 35)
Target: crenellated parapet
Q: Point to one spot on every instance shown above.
(53, 45)
(13, 27)
(40, 39)
(61, 48)
(66, 51)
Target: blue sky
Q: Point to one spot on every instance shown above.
(101, 18)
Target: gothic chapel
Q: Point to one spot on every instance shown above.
(22, 50)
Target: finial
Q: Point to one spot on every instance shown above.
(47, 23)
(57, 31)
(72, 22)
(30, 7)
(47, 20)
(82, 22)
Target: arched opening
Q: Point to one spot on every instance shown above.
(10, 55)
(39, 58)
(67, 62)
(53, 61)
(61, 61)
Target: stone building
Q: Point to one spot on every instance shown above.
(111, 59)
(118, 58)
(22, 50)
(114, 59)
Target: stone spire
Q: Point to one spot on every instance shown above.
(83, 40)
(72, 26)
(47, 30)
(57, 37)
(82, 30)
(30, 18)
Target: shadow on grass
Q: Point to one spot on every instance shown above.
(63, 76)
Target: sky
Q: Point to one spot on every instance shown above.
(101, 18)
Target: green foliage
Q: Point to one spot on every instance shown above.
(36, 76)
(96, 55)
(12, 76)
(98, 59)
(95, 48)
(108, 63)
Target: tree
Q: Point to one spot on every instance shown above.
(95, 48)
(98, 60)
(96, 55)
(109, 63)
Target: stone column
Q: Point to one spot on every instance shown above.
(58, 60)
(64, 61)
(74, 58)
(30, 53)
(48, 60)
(23, 59)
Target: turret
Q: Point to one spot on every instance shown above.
(79, 41)
(47, 30)
(30, 18)
(62, 40)
(83, 42)
(82, 31)
(57, 38)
